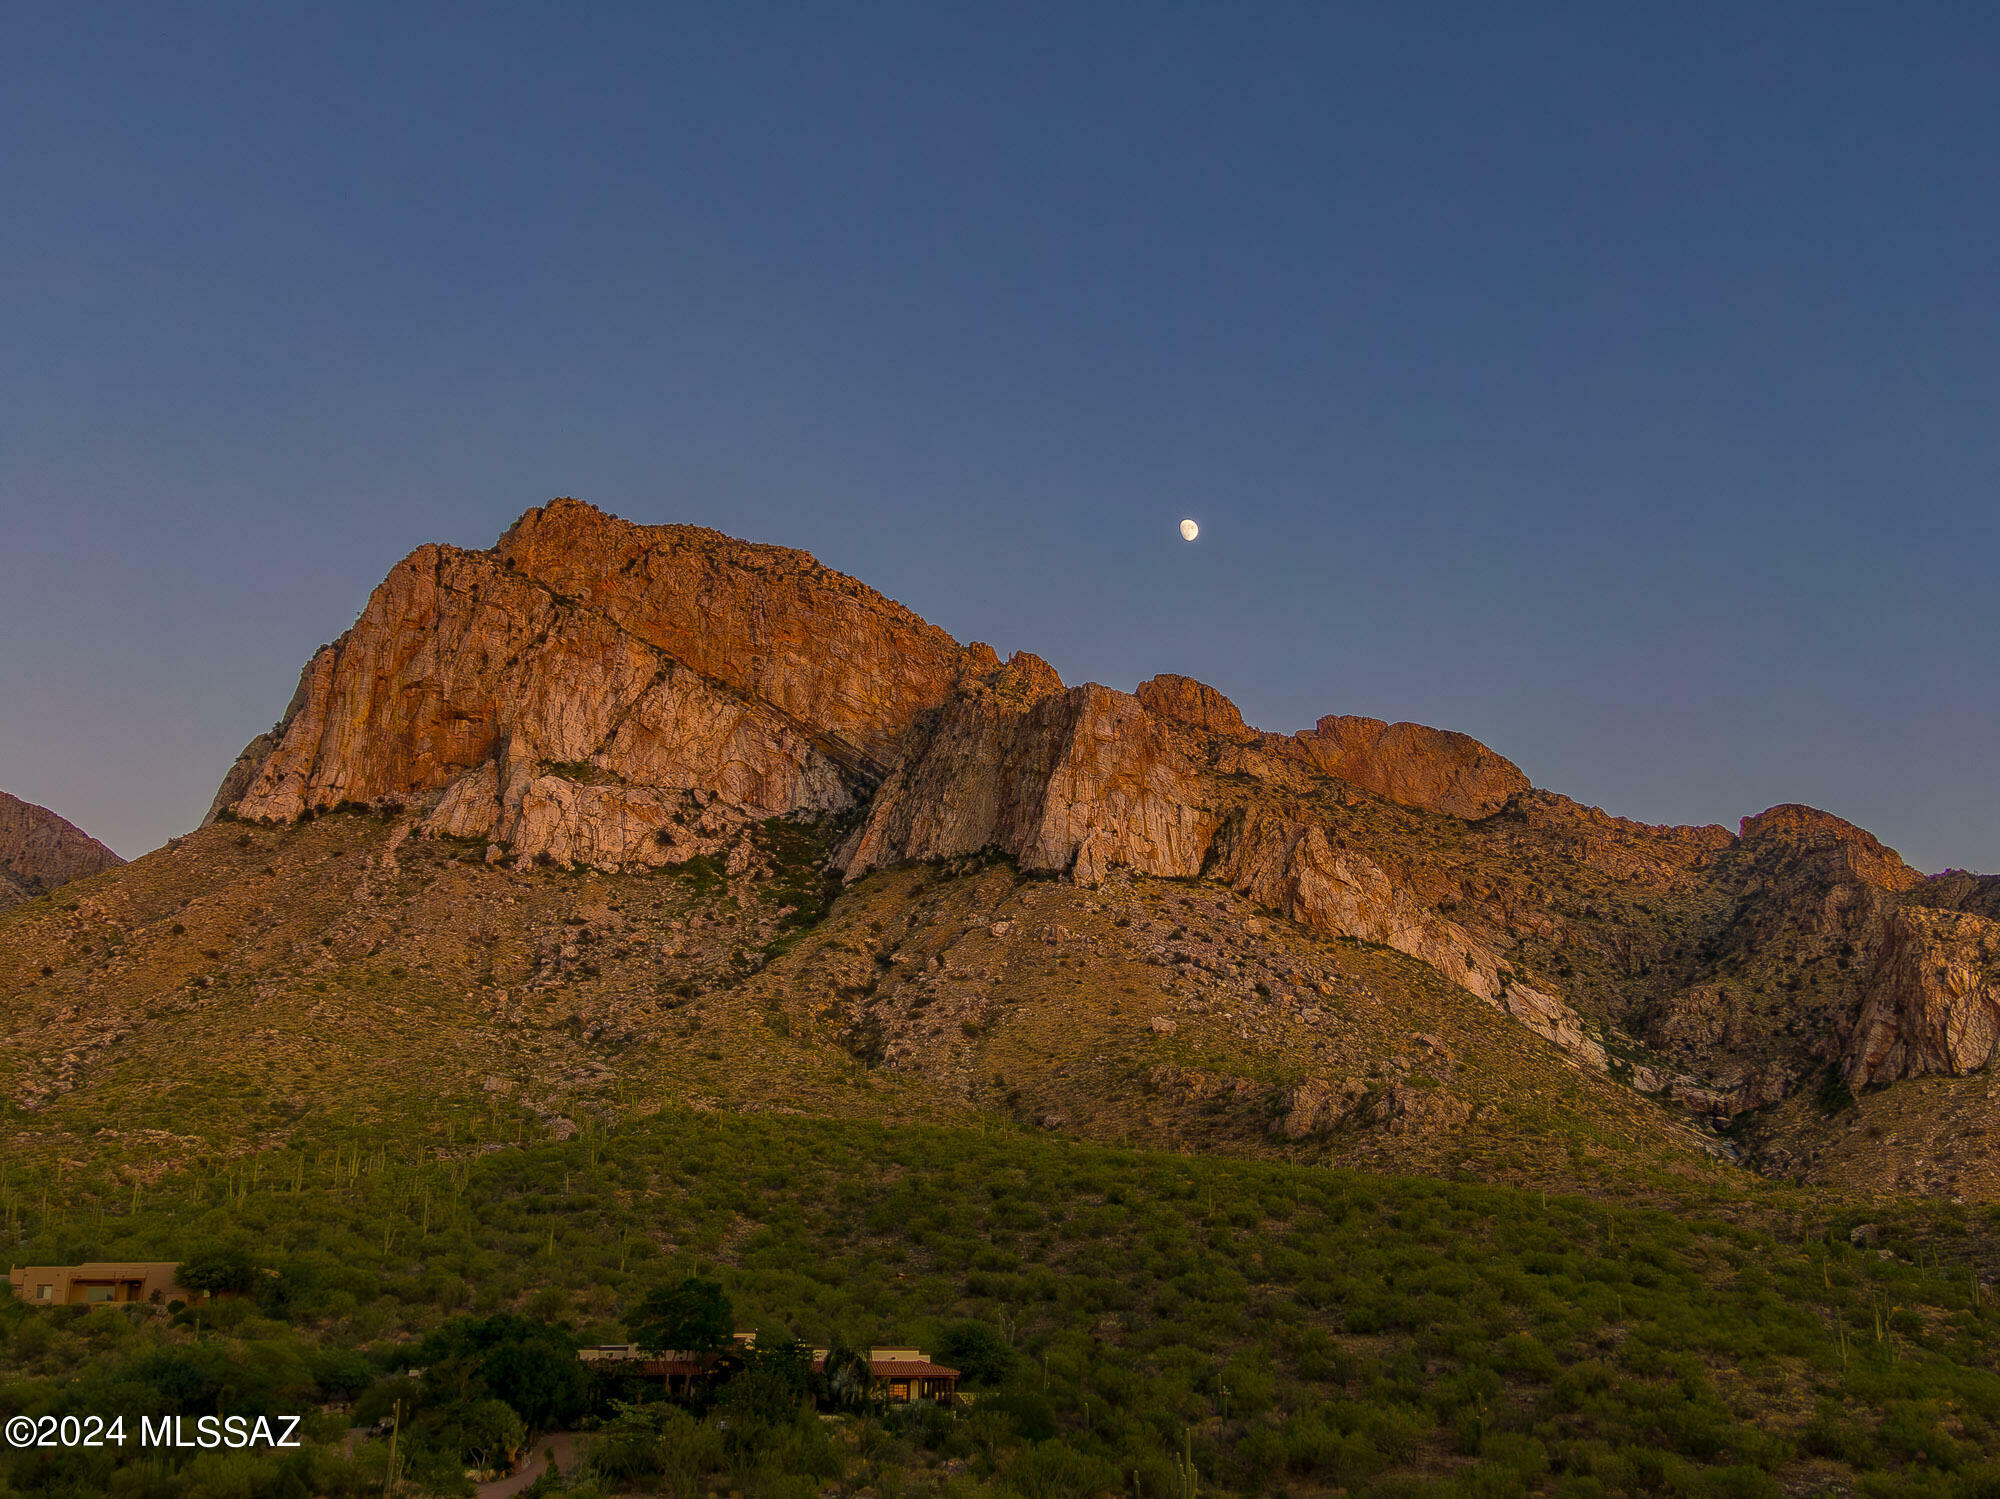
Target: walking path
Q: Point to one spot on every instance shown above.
(561, 1443)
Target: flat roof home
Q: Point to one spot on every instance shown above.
(95, 1282)
(680, 1368)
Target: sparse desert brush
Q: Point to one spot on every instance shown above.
(1266, 1323)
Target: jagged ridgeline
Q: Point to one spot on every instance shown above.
(627, 904)
(614, 812)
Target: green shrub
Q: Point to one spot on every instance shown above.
(977, 1351)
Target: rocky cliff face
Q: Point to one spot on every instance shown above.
(1404, 762)
(593, 692)
(39, 851)
(1955, 890)
(1414, 765)
(1934, 1004)
(1827, 956)
(1074, 779)
(1290, 866)
(1087, 779)
(596, 692)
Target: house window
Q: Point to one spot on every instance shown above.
(44, 1293)
(97, 1293)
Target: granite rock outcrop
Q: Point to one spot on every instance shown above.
(1934, 1006)
(1083, 779)
(570, 694)
(1407, 763)
(590, 692)
(1061, 779)
(1413, 764)
(1291, 867)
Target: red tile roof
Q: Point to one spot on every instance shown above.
(909, 1368)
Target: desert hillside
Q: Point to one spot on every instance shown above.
(615, 808)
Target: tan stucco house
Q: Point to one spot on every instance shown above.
(99, 1281)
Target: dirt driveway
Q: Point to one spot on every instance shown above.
(561, 1443)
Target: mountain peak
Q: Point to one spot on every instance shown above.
(1193, 703)
(1808, 831)
(668, 658)
(593, 692)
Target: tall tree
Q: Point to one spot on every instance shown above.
(694, 1316)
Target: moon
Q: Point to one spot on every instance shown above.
(1189, 530)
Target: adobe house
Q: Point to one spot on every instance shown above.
(905, 1374)
(679, 1368)
(97, 1282)
(901, 1375)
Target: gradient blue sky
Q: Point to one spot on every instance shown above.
(1617, 384)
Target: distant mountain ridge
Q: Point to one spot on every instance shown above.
(40, 850)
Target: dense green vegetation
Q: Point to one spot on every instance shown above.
(1138, 1322)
